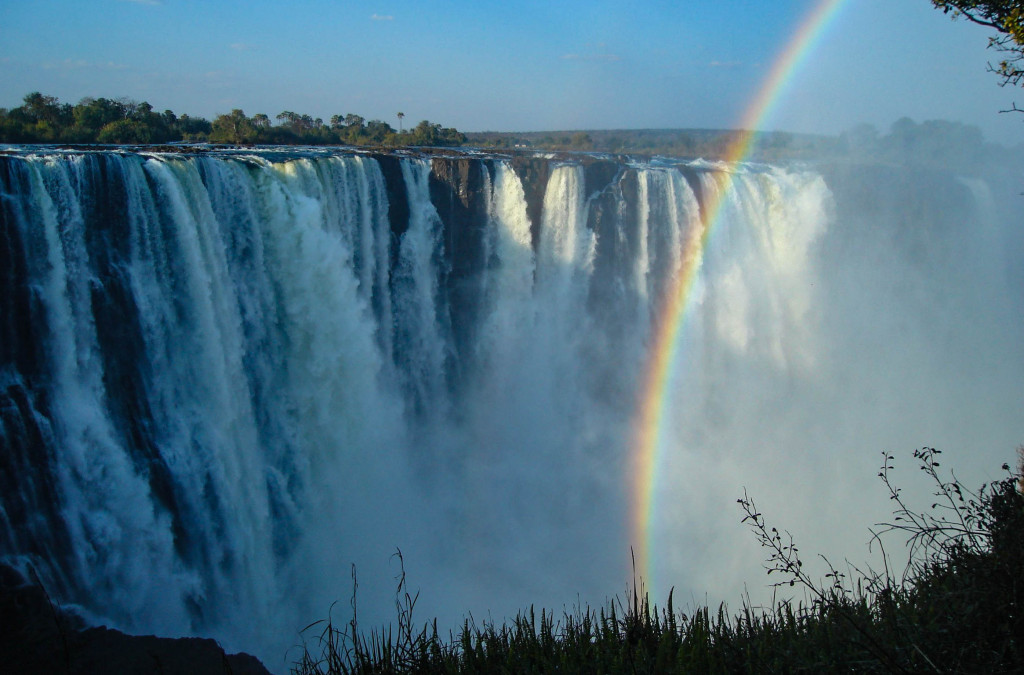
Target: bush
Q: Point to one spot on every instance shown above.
(955, 607)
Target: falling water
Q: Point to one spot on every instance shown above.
(227, 378)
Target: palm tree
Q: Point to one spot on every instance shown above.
(400, 116)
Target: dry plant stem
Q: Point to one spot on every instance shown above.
(953, 520)
(785, 558)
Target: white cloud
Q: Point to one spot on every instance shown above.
(592, 57)
(382, 17)
(78, 64)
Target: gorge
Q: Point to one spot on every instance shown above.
(233, 382)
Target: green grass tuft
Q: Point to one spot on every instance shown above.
(958, 606)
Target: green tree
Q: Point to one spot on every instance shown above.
(92, 114)
(47, 109)
(233, 128)
(1007, 18)
(153, 125)
(40, 118)
(581, 141)
(195, 129)
(352, 128)
(376, 132)
(290, 119)
(44, 119)
(126, 132)
(425, 133)
(260, 121)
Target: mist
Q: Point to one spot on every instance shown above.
(259, 375)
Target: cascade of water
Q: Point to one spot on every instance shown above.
(342, 414)
(257, 423)
(669, 225)
(120, 544)
(421, 347)
(566, 248)
(508, 293)
(250, 375)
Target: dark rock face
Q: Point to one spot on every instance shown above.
(613, 217)
(926, 196)
(17, 310)
(31, 496)
(457, 193)
(599, 174)
(37, 637)
(692, 177)
(533, 172)
(398, 200)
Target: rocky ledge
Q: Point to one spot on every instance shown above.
(38, 637)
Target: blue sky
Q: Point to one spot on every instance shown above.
(508, 66)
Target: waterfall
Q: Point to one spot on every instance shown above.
(421, 324)
(229, 376)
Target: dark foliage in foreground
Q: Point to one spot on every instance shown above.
(956, 607)
(1007, 18)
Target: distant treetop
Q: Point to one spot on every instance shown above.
(44, 119)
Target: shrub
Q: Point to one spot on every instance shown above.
(955, 607)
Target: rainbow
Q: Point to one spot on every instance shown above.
(663, 353)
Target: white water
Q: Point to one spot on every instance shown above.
(296, 370)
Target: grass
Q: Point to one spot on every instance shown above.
(956, 607)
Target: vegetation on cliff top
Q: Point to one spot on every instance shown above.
(44, 119)
(957, 606)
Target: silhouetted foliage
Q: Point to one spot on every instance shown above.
(956, 607)
(1007, 18)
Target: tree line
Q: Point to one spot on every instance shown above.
(44, 119)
